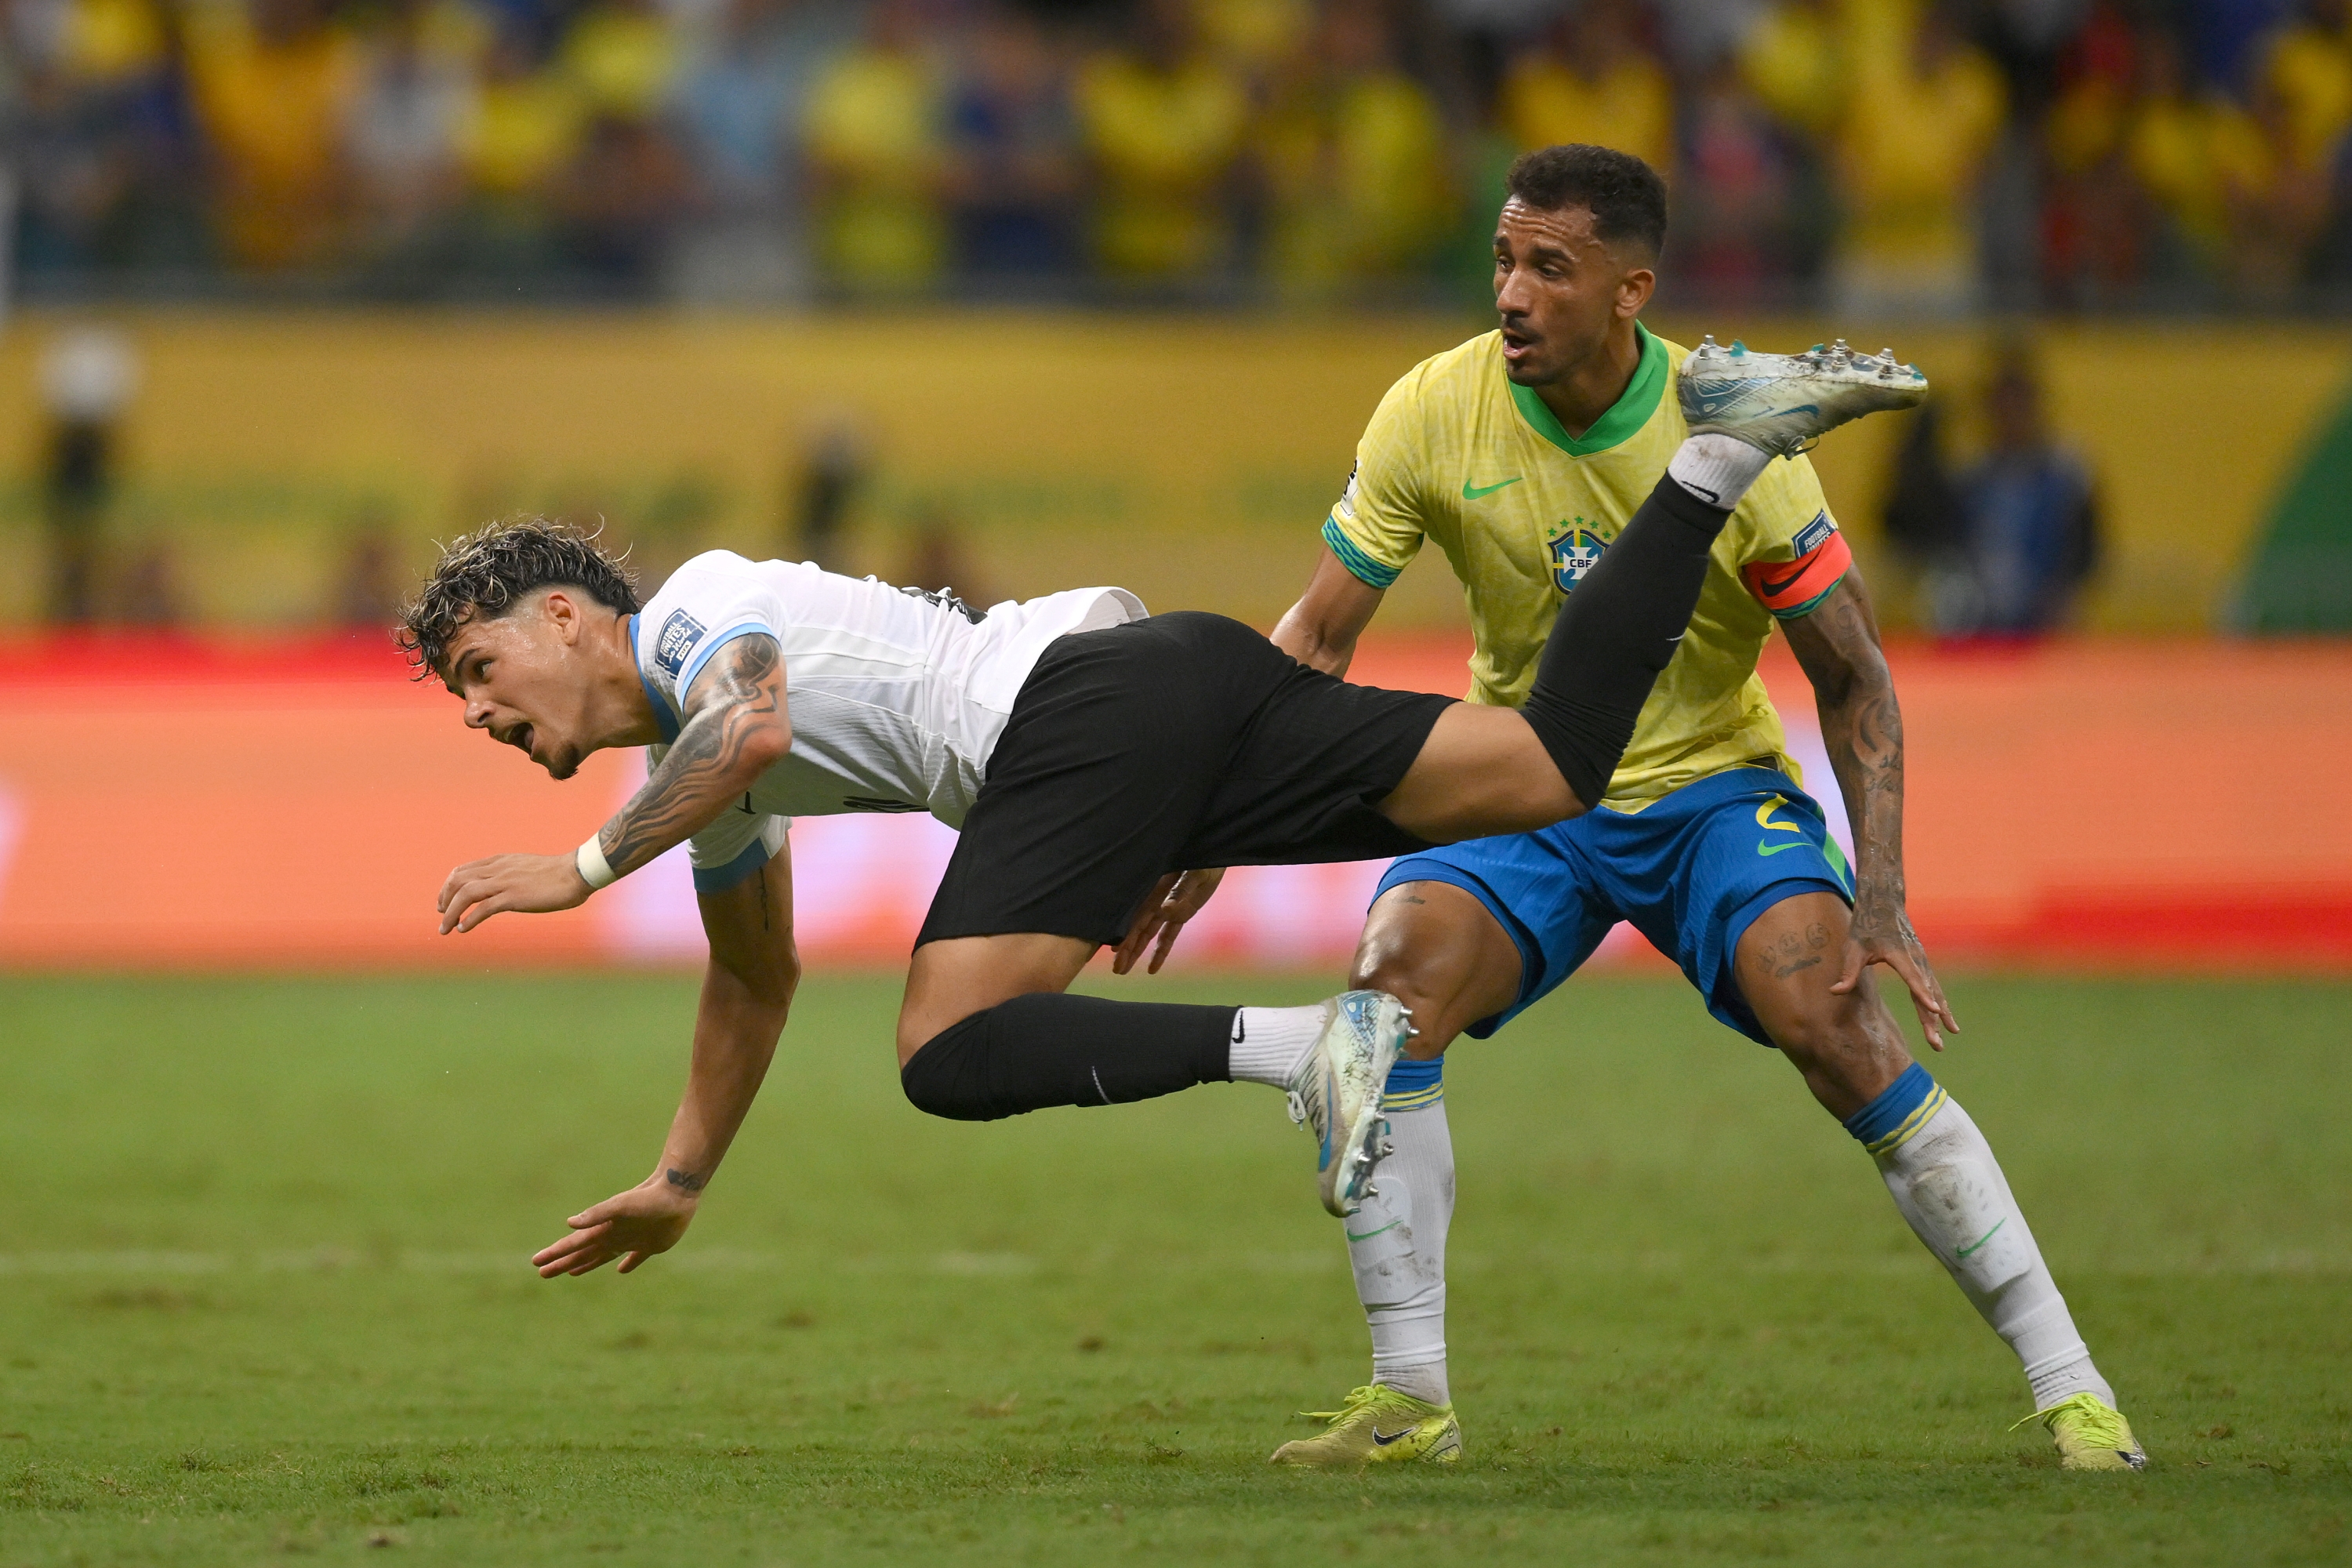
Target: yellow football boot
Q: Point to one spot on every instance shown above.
(1377, 1426)
(2091, 1434)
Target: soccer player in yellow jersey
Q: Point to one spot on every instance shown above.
(1520, 455)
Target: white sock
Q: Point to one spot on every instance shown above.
(1949, 1186)
(1396, 1244)
(1717, 469)
(1268, 1043)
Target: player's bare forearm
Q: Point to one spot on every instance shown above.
(747, 994)
(1321, 630)
(1862, 728)
(736, 729)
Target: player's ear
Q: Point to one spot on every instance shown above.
(563, 612)
(1635, 287)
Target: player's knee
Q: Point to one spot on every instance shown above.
(948, 1075)
(1402, 974)
(1816, 1038)
(1843, 1058)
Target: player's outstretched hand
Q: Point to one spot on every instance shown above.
(1882, 934)
(632, 1226)
(1177, 899)
(535, 884)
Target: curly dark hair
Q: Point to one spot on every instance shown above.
(1625, 195)
(486, 573)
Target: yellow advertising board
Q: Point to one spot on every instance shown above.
(1189, 457)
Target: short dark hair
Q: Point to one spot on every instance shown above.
(486, 573)
(1625, 195)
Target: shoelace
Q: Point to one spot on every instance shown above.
(2097, 1425)
(1297, 1109)
(1357, 1399)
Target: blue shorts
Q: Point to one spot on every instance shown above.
(1691, 871)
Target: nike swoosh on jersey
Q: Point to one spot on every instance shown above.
(1474, 492)
(1781, 585)
(1765, 846)
(1384, 1439)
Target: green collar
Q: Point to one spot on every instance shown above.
(1625, 415)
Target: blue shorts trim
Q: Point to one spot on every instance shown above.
(1424, 868)
(1691, 871)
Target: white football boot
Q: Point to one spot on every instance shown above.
(1781, 404)
(1335, 1092)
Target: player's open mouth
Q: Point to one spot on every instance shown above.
(1516, 344)
(521, 738)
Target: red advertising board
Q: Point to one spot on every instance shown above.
(295, 803)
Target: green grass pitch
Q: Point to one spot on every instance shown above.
(263, 1295)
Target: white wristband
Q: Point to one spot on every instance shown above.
(595, 870)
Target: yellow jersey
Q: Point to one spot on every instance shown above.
(1457, 454)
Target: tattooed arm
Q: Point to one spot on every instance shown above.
(1861, 725)
(735, 728)
(747, 994)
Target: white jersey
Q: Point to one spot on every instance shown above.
(895, 701)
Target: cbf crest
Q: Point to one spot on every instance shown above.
(1574, 549)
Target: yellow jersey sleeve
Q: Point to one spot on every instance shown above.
(1381, 520)
(1791, 555)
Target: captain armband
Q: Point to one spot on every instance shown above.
(1791, 589)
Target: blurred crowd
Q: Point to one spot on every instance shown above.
(1923, 155)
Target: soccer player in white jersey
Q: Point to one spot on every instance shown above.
(1517, 453)
(1087, 752)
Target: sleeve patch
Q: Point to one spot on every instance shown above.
(676, 640)
(1790, 589)
(1361, 566)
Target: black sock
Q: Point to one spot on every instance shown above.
(1046, 1048)
(1615, 634)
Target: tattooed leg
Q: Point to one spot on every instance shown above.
(1848, 1047)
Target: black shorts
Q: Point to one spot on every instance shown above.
(1184, 740)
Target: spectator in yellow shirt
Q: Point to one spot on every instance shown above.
(273, 88)
(1355, 158)
(1591, 79)
(623, 56)
(1163, 123)
(878, 158)
(2307, 70)
(527, 123)
(1794, 61)
(2189, 150)
(1924, 109)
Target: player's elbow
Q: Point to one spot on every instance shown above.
(763, 747)
(1313, 644)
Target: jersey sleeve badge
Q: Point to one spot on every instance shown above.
(676, 640)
